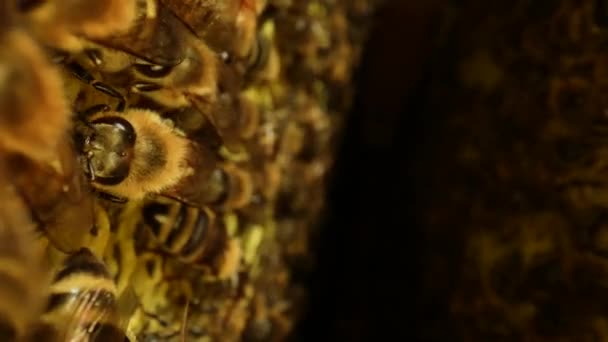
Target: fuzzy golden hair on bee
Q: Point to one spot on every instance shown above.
(156, 161)
(30, 93)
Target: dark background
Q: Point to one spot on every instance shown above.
(367, 283)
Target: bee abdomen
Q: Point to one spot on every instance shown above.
(84, 291)
(237, 188)
(82, 262)
(102, 297)
(190, 234)
(198, 234)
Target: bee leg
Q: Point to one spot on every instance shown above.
(110, 91)
(89, 165)
(155, 317)
(83, 75)
(112, 198)
(94, 56)
(58, 56)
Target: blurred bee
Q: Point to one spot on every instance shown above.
(83, 301)
(134, 28)
(23, 272)
(71, 30)
(157, 57)
(38, 158)
(147, 51)
(194, 235)
(167, 63)
(25, 74)
(114, 36)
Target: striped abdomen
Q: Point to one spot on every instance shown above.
(83, 301)
(191, 234)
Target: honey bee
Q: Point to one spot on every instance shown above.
(132, 154)
(159, 52)
(139, 36)
(154, 55)
(72, 37)
(83, 301)
(193, 235)
(136, 153)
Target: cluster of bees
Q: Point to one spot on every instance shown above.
(524, 207)
(162, 162)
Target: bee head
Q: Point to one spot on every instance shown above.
(109, 149)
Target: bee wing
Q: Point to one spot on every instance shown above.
(157, 40)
